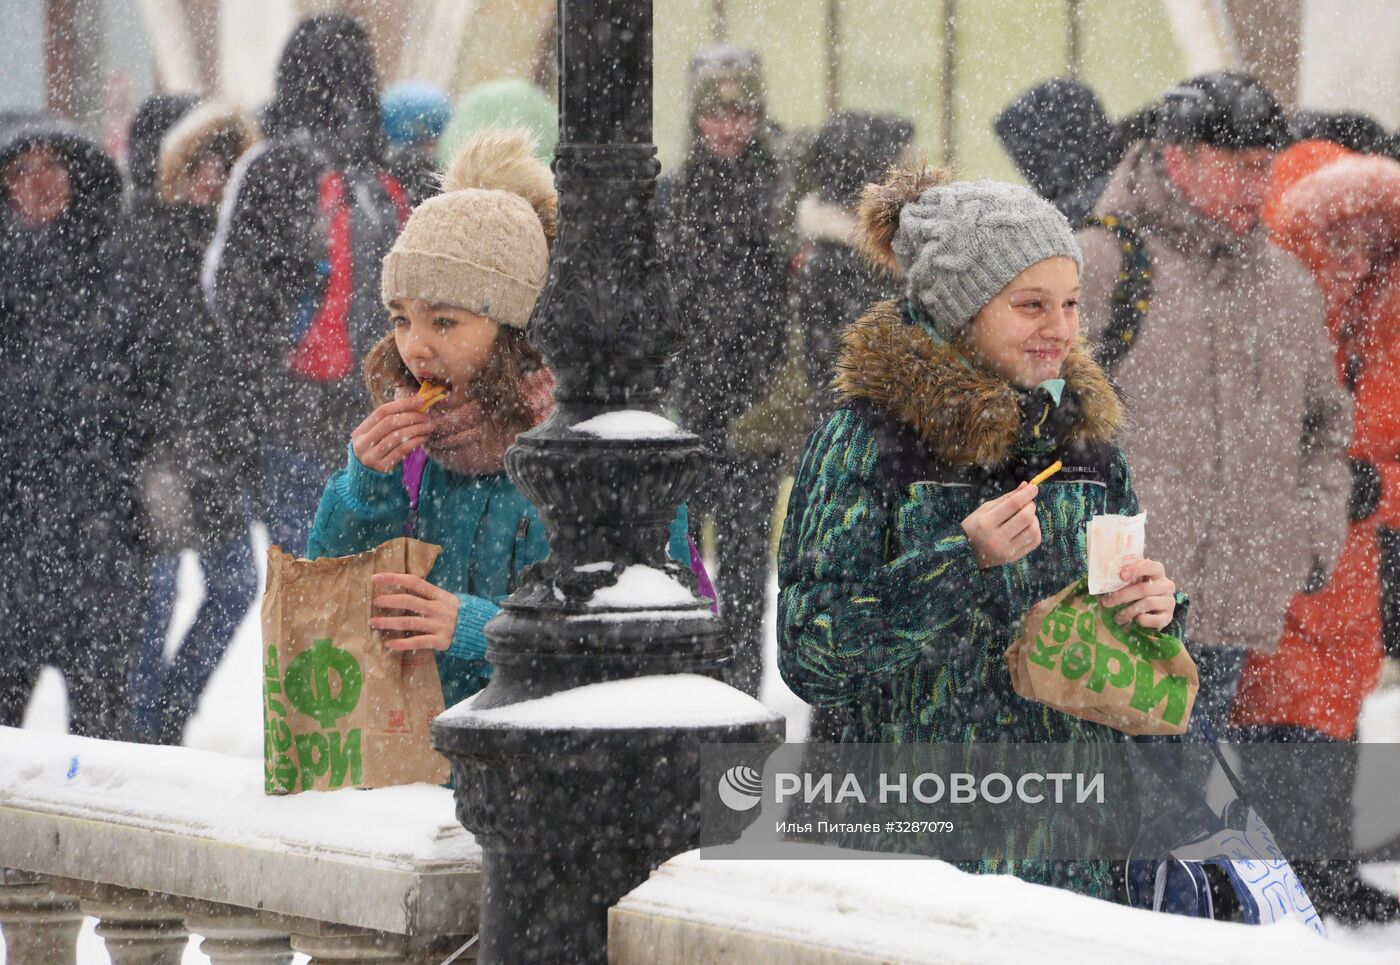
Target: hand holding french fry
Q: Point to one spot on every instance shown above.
(391, 432)
(1005, 529)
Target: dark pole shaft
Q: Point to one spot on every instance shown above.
(60, 57)
(605, 281)
(950, 83)
(1074, 40)
(572, 818)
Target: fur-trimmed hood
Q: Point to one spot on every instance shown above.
(964, 414)
(215, 125)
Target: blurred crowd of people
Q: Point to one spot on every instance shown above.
(193, 328)
(183, 342)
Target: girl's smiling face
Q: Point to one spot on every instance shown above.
(448, 345)
(1025, 333)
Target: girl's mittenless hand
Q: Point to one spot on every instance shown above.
(432, 612)
(1150, 596)
(1005, 529)
(391, 432)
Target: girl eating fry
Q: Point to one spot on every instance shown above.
(914, 545)
(454, 381)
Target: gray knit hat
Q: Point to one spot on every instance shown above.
(960, 244)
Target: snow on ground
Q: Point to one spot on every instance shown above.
(229, 721)
(201, 794)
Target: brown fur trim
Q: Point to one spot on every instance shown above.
(880, 204)
(192, 135)
(964, 414)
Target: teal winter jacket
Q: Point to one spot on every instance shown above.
(882, 608)
(883, 612)
(489, 533)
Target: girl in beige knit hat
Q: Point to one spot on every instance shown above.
(459, 287)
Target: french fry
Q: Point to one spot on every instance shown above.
(1047, 472)
(431, 393)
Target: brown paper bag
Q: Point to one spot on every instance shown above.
(1072, 656)
(339, 710)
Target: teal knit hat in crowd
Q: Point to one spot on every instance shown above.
(498, 104)
(959, 244)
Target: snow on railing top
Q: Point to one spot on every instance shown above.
(200, 794)
(682, 700)
(922, 910)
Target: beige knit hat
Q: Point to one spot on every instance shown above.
(483, 244)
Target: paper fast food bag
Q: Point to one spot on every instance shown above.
(1072, 656)
(340, 710)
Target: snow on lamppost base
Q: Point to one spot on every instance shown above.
(580, 768)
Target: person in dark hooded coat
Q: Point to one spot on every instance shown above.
(293, 271)
(1062, 142)
(192, 440)
(718, 221)
(836, 283)
(67, 510)
(156, 115)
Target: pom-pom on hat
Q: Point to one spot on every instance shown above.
(483, 243)
(958, 244)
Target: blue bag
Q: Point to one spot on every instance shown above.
(1179, 848)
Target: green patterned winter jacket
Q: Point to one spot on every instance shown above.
(882, 609)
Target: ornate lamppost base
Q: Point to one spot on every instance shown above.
(571, 818)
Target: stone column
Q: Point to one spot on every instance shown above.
(40, 927)
(326, 943)
(139, 928)
(237, 935)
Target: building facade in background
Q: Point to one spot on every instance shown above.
(896, 56)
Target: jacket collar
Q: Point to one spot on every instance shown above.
(966, 415)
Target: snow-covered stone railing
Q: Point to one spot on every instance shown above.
(807, 910)
(159, 843)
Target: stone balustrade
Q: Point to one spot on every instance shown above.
(160, 843)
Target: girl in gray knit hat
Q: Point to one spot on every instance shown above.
(914, 542)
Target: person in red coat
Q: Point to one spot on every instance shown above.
(1339, 213)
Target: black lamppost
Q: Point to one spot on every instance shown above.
(574, 808)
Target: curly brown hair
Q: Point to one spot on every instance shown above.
(498, 386)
